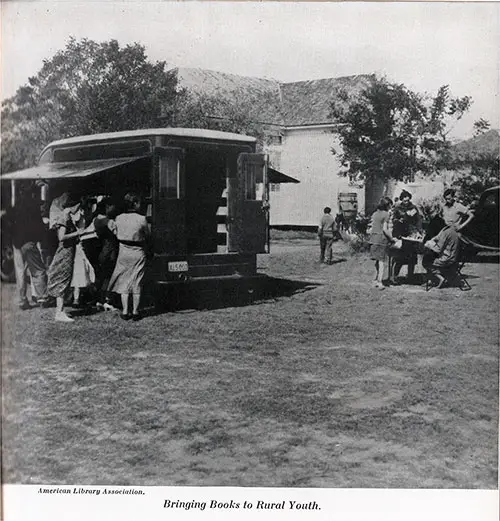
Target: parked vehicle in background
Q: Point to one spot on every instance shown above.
(482, 233)
(7, 253)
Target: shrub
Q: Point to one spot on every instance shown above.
(430, 207)
(358, 243)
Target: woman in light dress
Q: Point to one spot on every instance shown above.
(83, 271)
(132, 232)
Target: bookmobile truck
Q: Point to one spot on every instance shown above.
(205, 194)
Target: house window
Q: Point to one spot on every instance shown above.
(275, 139)
(274, 187)
(169, 180)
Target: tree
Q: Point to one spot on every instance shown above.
(387, 131)
(86, 88)
(219, 113)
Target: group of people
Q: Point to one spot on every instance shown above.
(100, 247)
(397, 232)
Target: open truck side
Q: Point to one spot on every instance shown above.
(205, 194)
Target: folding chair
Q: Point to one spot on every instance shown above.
(453, 277)
(463, 256)
(456, 278)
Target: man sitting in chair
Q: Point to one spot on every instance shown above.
(442, 257)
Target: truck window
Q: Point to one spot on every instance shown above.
(169, 179)
(491, 201)
(254, 185)
(108, 150)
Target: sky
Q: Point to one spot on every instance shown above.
(423, 44)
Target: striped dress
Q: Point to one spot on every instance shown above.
(60, 271)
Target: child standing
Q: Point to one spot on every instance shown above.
(380, 238)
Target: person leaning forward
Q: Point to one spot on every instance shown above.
(326, 234)
(445, 250)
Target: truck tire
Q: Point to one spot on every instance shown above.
(7, 272)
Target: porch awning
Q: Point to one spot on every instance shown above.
(278, 177)
(69, 170)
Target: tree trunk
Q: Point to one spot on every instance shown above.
(375, 188)
(390, 188)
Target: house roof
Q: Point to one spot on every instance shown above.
(308, 102)
(288, 104)
(262, 96)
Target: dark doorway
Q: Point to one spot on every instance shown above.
(205, 184)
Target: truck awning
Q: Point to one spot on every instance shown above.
(278, 177)
(69, 170)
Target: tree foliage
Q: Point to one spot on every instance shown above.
(388, 131)
(476, 163)
(86, 88)
(218, 113)
(481, 126)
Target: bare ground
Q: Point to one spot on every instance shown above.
(314, 380)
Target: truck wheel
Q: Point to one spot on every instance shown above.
(7, 272)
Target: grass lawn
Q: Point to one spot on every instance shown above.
(321, 381)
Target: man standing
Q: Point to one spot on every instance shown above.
(27, 230)
(454, 213)
(326, 234)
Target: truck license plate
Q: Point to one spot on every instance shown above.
(178, 266)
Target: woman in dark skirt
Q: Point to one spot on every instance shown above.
(407, 222)
(105, 227)
(60, 271)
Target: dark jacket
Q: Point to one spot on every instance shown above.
(25, 223)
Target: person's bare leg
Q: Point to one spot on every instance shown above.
(395, 272)
(136, 299)
(380, 272)
(380, 275)
(441, 280)
(61, 316)
(124, 297)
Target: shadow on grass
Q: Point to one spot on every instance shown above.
(419, 279)
(484, 258)
(82, 311)
(222, 294)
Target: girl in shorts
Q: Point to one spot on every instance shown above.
(380, 239)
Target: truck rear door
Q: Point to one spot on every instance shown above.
(248, 205)
(169, 202)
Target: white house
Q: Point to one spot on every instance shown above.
(300, 136)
